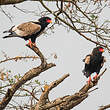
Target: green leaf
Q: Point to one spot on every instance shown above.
(26, 94)
(93, 17)
(37, 82)
(11, 81)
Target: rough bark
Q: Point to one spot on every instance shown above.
(44, 97)
(8, 2)
(63, 103)
(67, 102)
(27, 76)
(104, 107)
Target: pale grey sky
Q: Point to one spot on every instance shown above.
(70, 49)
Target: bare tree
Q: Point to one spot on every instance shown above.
(76, 15)
(43, 103)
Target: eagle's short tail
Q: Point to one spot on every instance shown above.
(6, 31)
(9, 31)
(7, 36)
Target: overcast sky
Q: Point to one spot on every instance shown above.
(70, 49)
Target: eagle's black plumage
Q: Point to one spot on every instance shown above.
(94, 62)
(29, 30)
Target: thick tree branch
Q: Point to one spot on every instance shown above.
(7, 2)
(37, 51)
(28, 76)
(104, 107)
(44, 97)
(92, 84)
(66, 102)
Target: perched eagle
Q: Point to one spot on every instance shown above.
(29, 30)
(94, 62)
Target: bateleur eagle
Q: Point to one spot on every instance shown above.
(29, 30)
(94, 62)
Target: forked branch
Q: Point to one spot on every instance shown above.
(67, 102)
(34, 72)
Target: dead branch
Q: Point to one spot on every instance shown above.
(19, 58)
(37, 51)
(8, 2)
(31, 93)
(67, 102)
(10, 17)
(73, 27)
(27, 76)
(92, 84)
(44, 97)
(104, 107)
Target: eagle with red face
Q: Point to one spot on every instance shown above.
(29, 30)
(94, 62)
